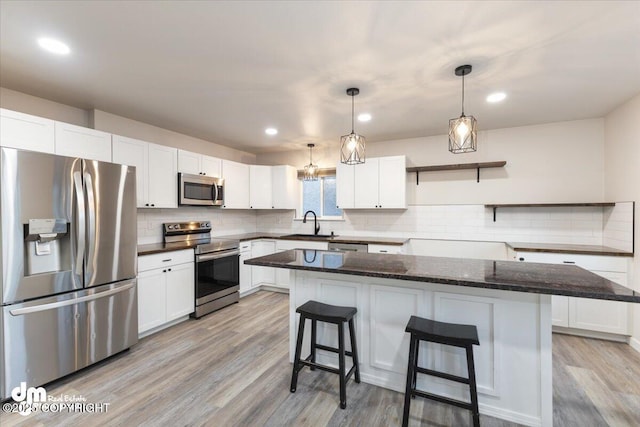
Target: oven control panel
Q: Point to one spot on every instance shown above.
(190, 227)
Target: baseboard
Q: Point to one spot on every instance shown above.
(249, 292)
(163, 326)
(635, 343)
(274, 289)
(590, 334)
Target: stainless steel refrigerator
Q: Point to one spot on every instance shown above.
(69, 298)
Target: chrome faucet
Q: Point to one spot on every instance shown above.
(316, 227)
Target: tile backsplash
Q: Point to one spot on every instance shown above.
(576, 225)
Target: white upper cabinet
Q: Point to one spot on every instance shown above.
(156, 170)
(163, 176)
(26, 132)
(285, 187)
(260, 186)
(345, 186)
(378, 183)
(199, 164)
(133, 152)
(236, 185)
(78, 141)
(392, 182)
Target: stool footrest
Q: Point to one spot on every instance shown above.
(444, 375)
(332, 349)
(455, 402)
(307, 362)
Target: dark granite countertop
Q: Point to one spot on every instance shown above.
(154, 248)
(568, 249)
(515, 276)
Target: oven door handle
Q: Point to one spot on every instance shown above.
(217, 255)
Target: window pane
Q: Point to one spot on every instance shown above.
(330, 208)
(311, 196)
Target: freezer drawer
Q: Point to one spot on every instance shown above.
(48, 338)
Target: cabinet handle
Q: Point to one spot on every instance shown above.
(166, 260)
(251, 207)
(521, 259)
(204, 173)
(272, 207)
(383, 251)
(152, 204)
(164, 271)
(168, 269)
(146, 204)
(568, 262)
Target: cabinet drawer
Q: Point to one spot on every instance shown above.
(285, 245)
(589, 262)
(165, 259)
(385, 249)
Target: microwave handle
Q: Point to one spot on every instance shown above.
(214, 192)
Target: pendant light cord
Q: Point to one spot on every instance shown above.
(352, 113)
(463, 94)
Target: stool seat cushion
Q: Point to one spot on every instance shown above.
(326, 312)
(431, 330)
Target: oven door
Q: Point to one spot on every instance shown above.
(217, 275)
(199, 190)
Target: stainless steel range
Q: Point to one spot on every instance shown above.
(217, 277)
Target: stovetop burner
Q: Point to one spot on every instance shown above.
(198, 235)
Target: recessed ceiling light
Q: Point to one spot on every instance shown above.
(496, 97)
(271, 131)
(364, 117)
(53, 46)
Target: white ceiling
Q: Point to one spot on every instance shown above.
(224, 71)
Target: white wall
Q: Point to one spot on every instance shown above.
(112, 123)
(18, 101)
(556, 162)
(622, 176)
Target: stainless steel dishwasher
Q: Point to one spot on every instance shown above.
(352, 247)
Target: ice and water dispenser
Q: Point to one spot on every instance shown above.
(47, 244)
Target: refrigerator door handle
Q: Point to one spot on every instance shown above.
(91, 209)
(77, 180)
(51, 306)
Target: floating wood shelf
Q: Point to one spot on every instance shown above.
(458, 166)
(545, 205)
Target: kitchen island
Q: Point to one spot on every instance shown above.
(509, 302)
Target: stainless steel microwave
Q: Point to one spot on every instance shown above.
(200, 190)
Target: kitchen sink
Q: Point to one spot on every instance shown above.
(311, 236)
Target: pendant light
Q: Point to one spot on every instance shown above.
(352, 145)
(462, 131)
(310, 170)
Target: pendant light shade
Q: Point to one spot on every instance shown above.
(462, 130)
(310, 170)
(352, 145)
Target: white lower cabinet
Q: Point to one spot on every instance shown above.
(245, 270)
(262, 275)
(583, 313)
(165, 288)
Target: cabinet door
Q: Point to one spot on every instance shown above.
(392, 182)
(133, 152)
(345, 185)
(163, 176)
(236, 185)
(78, 141)
(285, 187)
(260, 187)
(262, 275)
(180, 290)
(151, 299)
(600, 315)
(26, 132)
(211, 166)
(560, 311)
(189, 162)
(245, 270)
(366, 185)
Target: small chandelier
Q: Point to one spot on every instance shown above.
(310, 170)
(462, 131)
(352, 145)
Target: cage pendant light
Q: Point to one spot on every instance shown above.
(310, 170)
(462, 130)
(352, 145)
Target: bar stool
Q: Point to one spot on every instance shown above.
(317, 311)
(464, 336)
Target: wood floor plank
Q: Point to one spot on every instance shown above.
(231, 368)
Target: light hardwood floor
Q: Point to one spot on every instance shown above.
(231, 369)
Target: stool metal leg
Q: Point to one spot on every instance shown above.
(354, 350)
(314, 325)
(296, 359)
(410, 375)
(341, 367)
(472, 386)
